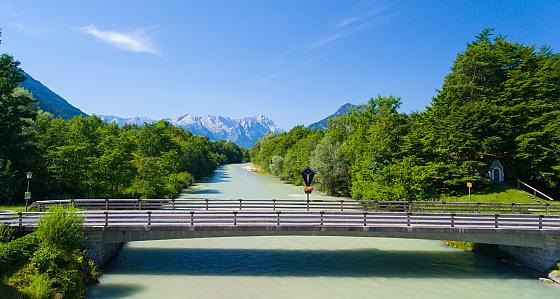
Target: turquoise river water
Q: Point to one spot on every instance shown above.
(303, 267)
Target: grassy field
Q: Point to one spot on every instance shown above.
(497, 193)
(20, 208)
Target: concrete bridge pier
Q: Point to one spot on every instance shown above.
(100, 251)
(537, 258)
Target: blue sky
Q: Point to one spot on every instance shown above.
(293, 61)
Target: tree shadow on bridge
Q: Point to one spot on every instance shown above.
(309, 263)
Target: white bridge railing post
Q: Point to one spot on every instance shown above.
(452, 219)
(106, 218)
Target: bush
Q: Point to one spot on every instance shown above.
(52, 271)
(62, 229)
(18, 252)
(40, 287)
(51, 261)
(46, 260)
(7, 233)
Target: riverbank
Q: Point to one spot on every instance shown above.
(251, 167)
(50, 262)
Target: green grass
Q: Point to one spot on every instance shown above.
(17, 208)
(497, 193)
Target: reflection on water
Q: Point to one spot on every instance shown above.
(304, 267)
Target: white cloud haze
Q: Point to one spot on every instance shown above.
(347, 21)
(135, 41)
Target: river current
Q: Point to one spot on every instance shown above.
(303, 267)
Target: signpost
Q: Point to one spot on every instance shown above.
(27, 193)
(469, 185)
(308, 174)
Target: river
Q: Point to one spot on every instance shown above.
(303, 267)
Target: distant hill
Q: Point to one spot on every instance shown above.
(48, 100)
(323, 124)
(244, 132)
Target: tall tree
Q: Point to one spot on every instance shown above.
(326, 161)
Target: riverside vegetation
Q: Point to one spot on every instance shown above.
(501, 100)
(50, 262)
(86, 158)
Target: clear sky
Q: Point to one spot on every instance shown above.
(294, 61)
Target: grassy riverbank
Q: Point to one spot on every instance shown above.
(503, 193)
(48, 263)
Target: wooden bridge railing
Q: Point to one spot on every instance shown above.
(291, 204)
(122, 219)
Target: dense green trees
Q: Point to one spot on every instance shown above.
(501, 100)
(85, 157)
(18, 111)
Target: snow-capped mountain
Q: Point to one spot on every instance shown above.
(121, 121)
(244, 132)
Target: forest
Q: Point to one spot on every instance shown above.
(84, 157)
(500, 101)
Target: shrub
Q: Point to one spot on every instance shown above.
(51, 261)
(62, 229)
(46, 260)
(40, 287)
(7, 233)
(16, 253)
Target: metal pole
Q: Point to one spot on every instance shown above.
(469, 193)
(26, 199)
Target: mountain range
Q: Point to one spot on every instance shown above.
(244, 132)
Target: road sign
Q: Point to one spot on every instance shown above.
(307, 174)
(469, 185)
(27, 195)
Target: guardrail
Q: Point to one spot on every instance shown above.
(180, 218)
(307, 205)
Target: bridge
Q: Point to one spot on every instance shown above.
(530, 232)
